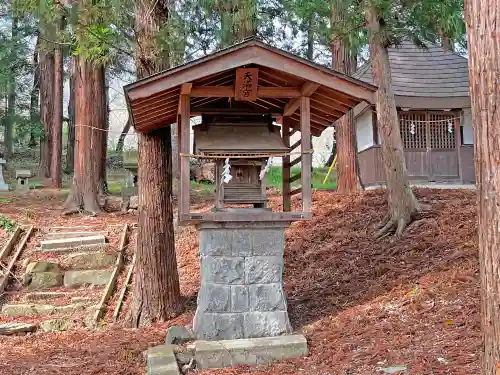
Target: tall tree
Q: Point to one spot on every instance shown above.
(35, 94)
(11, 88)
(47, 86)
(344, 60)
(57, 100)
(483, 18)
(70, 150)
(156, 292)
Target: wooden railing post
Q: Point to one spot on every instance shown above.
(184, 135)
(287, 200)
(305, 134)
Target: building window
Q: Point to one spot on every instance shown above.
(412, 128)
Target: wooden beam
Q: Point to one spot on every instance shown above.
(305, 134)
(295, 161)
(295, 145)
(228, 92)
(186, 88)
(295, 177)
(287, 202)
(307, 89)
(296, 191)
(184, 134)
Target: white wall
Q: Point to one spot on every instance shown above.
(468, 138)
(364, 130)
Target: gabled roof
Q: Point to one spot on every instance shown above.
(433, 73)
(153, 101)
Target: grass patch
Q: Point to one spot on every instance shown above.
(275, 178)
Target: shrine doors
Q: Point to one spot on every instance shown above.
(431, 141)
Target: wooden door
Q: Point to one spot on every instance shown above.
(414, 137)
(443, 152)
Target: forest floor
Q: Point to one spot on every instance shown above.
(365, 306)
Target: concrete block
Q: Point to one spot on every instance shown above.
(266, 324)
(73, 279)
(71, 243)
(13, 328)
(27, 310)
(223, 270)
(215, 242)
(37, 296)
(133, 203)
(66, 235)
(218, 326)
(41, 280)
(268, 242)
(214, 297)
(239, 298)
(229, 353)
(267, 297)
(263, 270)
(56, 325)
(42, 267)
(242, 242)
(161, 361)
(79, 261)
(178, 335)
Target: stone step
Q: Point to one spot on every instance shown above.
(16, 328)
(69, 235)
(78, 249)
(89, 261)
(72, 243)
(39, 310)
(75, 279)
(44, 296)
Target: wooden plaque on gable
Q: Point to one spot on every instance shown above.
(247, 80)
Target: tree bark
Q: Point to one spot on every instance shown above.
(57, 120)
(403, 205)
(345, 135)
(483, 18)
(84, 191)
(70, 145)
(99, 131)
(11, 98)
(121, 140)
(46, 108)
(156, 292)
(35, 93)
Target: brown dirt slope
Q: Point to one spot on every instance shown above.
(364, 305)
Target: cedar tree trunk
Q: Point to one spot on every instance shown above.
(345, 135)
(35, 93)
(11, 99)
(46, 108)
(403, 205)
(56, 147)
(156, 292)
(483, 18)
(99, 131)
(84, 191)
(70, 145)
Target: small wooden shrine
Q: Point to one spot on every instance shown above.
(251, 98)
(245, 144)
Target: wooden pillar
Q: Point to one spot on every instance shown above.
(305, 134)
(458, 143)
(184, 135)
(287, 199)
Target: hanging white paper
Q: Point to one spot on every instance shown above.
(265, 169)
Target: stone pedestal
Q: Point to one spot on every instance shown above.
(3, 185)
(241, 294)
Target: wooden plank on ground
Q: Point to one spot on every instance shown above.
(13, 259)
(114, 276)
(7, 249)
(124, 290)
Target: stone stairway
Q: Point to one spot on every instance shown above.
(63, 282)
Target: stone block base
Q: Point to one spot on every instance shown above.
(229, 353)
(241, 294)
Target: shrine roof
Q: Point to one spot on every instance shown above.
(282, 79)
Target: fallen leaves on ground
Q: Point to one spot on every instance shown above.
(363, 304)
